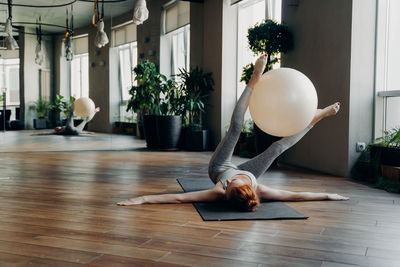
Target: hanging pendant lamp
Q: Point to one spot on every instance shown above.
(10, 41)
(101, 38)
(69, 55)
(39, 57)
(140, 12)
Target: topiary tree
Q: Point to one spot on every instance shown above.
(267, 37)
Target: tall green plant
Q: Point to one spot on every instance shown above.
(42, 107)
(172, 103)
(196, 86)
(145, 96)
(267, 37)
(62, 105)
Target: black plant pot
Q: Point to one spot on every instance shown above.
(150, 131)
(197, 140)
(39, 123)
(390, 156)
(169, 129)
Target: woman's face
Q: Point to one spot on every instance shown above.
(233, 182)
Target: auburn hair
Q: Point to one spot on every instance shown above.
(244, 198)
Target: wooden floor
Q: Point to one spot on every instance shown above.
(58, 209)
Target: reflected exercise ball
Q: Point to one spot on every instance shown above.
(283, 102)
(84, 107)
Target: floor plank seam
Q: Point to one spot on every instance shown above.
(217, 234)
(164, 256)
(94, 258)
(145, 243)
(323, 230)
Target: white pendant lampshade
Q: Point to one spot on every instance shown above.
(10, 41)
(101, 38)
(140, 12)
(38, 54)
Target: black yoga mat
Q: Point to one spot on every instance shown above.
(222, 211)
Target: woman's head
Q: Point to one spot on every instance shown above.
(243, 197)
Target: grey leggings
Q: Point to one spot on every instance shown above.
(70, 129)
(221, 159)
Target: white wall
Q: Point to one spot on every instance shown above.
(322, 50)
(362, 79)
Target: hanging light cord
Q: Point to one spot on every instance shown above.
(97, 16)
(9, 3)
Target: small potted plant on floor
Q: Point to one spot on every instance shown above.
(145, 99)
(271, 38)
(196, 87)
(169, 122)
(388, 149)
(42, 108)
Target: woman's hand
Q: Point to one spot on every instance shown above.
(131, 201)
(336, 197)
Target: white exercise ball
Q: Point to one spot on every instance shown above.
(84, 107)
(283, 102)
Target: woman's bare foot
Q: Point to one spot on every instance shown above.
(259, 67)
(326, 112)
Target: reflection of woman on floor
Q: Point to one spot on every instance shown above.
(238, 184)
(70, 128)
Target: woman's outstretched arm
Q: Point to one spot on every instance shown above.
(265, 192)
(198, 196)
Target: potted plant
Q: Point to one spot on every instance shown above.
(245, 146)
(196, 87)
(271, 38)
(63, 108)
(145, 99)
(379, 163)
(42, 108)
(169, 122)
(387, 148)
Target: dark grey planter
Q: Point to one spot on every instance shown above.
(39, 123)
(169, 129)
(197, 140)
(150, 131)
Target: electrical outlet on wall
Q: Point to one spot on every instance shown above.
(360, 146)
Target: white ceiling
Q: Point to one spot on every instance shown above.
(82, 11)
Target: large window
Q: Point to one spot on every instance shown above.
(124, 49)
(9, 78)
(127, 62)
(387, 66)
(80, 76)
(251, 12)
(175, 39)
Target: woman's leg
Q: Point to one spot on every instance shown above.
(221, 159)
(259, 164)
(81, 125)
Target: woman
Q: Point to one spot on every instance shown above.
(238, 184)
(69, 128)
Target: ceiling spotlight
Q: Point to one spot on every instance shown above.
(140, 12)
